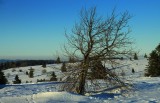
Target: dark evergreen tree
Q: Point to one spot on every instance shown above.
(44, 65)
(53, 77)
(135, 56)
(3, 79)
(130, 59)
(63, 68)
(17, 80)
(145, 56)
(58, 60)
(153, 68)
(158, 49)
(31, 72)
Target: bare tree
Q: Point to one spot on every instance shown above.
(96, 38)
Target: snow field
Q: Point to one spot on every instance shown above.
(145, 89)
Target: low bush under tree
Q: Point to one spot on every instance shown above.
(98, 71)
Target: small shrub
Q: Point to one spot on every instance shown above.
(20, 70)
(145, 56)
(130, 59)
(135, 56)
(133, 70)
(58, 60)
(13, 70)
(63, 68)
(44, 71)
(121, 58)
(54, 77)
(44, 65)
(31, 73)
(41, 80)
(26, 72)
(123, 73)
(17, 80)
(8, 74)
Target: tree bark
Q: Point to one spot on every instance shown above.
(84, 72)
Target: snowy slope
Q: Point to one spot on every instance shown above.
(37, 73)
(145, 89)
(48, 97)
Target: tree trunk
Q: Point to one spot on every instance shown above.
(83, 78)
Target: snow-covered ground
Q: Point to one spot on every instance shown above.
(145, 89)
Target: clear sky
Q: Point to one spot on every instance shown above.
(34, 29)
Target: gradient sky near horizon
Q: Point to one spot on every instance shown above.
(34, 29)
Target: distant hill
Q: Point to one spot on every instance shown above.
(5, 60)
(6, 64)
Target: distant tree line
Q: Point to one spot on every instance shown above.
(23, 63)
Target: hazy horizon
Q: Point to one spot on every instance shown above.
(32, 29)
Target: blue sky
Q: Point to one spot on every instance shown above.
(34, 29)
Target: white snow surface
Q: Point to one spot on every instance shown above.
(144, 90)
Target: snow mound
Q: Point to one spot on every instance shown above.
(49, 97)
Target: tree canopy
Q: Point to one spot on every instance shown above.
(96, 38)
